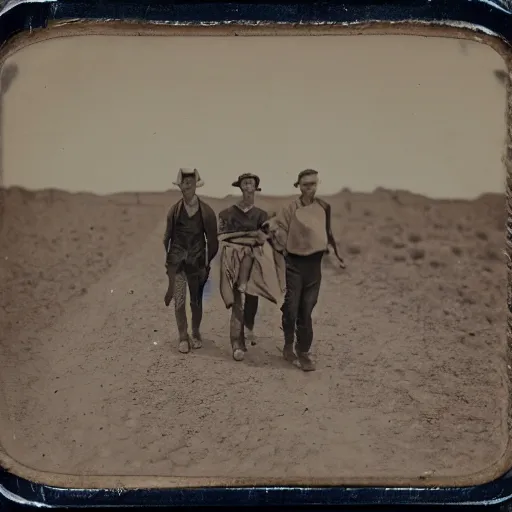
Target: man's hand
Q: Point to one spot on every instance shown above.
(341, 263)
(265, 227)
(269, 225)
(262, 237)
(337, 256)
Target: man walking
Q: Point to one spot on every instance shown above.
(302, 231)
(242, 242)
(190, 242)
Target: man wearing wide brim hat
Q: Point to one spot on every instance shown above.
(239, 227)
(302, 230)
(187, 171)
(247, 176)
(191, 243)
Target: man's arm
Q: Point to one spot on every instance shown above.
(213, 243)
(262, 232)
(330, 237)
(263, 218)
(280, 225)
(168, 229)
(222, 224)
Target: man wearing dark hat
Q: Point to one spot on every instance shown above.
(191, 243)
(302, 231)
(243, 216)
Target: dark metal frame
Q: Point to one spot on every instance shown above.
(486, 16)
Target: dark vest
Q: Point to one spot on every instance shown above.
(189, 232)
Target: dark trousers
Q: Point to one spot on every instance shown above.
(303, 278)
(187, 270)
(242, 316)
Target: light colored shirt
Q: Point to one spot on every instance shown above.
(300, 229)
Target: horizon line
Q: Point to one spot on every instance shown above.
(343, 190)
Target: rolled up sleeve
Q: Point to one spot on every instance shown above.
(280, 225)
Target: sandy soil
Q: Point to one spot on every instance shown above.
(410, 346)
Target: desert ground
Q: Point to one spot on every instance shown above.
(410, 347)
(410, 339)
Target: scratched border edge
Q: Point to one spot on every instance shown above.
(483, 16)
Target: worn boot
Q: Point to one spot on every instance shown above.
(250, 336)
(238, 350)
(305, 362)
(184, 346)
(196, 342)
(288, 353)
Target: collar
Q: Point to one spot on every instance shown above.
(193, 203)
(244, 209)
(301, 204)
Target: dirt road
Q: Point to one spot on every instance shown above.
(409, 342)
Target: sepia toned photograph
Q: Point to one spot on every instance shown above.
(239, 259)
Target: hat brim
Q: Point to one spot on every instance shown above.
(297, 183)
(199, 184)
(237, 184)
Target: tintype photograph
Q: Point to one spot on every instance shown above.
(278, 257)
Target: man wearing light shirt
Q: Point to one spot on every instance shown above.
(302, 232)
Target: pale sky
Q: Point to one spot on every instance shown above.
(109, 114)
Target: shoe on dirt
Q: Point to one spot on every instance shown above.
(238, 354)
(251, 337)
(289, 354)
(196, 342)
(184, 346)
(305, 362)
